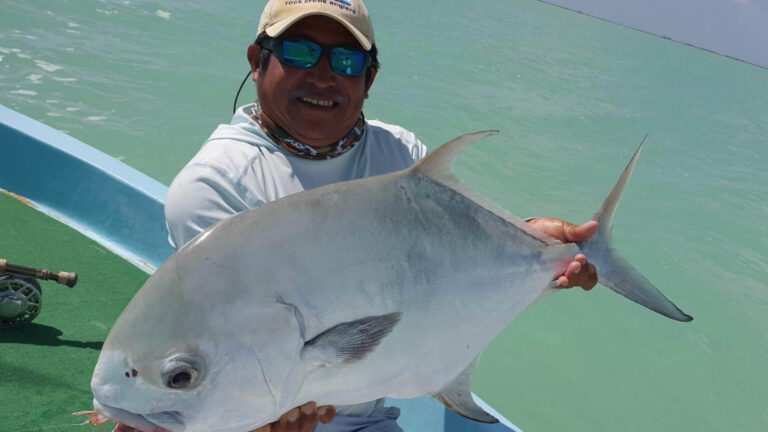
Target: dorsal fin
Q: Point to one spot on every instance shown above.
(439, 164)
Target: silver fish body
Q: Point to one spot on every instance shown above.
(387, 286)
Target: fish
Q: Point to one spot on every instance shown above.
(388, 286)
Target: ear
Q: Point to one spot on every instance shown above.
(368, 85)
(254, 59)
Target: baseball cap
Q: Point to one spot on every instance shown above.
(279, 15)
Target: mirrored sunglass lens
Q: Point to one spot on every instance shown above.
(347, 62)
(301, 54)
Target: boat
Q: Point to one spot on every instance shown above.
(68, 206)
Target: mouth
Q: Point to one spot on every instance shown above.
(318, 103)
(165, 421)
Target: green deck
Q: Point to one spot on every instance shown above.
(45, 368)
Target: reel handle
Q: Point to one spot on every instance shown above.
(64, 278)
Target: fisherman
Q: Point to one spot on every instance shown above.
(313, 63)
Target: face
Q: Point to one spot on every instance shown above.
(316, 106)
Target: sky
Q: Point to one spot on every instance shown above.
(737, 28)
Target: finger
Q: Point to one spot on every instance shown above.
(592, 277)
(581, 258)
(564, 231)
(567, 279)
(549, 226)
(587, 279)
(289, 422)
(326, 413)
(578, 233)
(308, 419)
(309, 408)
(573, 269)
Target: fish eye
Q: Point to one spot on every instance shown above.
(181, 372)
(181, 378)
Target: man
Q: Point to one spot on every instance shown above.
(313, 63)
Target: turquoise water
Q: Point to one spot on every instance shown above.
(146, 81)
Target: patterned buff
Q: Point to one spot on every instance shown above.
(287, 142)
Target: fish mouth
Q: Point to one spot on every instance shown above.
(164, 421)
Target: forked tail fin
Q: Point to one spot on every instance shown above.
(613, 270)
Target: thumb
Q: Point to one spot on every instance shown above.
(578, 233)
(564, 231)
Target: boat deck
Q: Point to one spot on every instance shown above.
(46, 366)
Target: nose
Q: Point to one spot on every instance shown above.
(322, 75)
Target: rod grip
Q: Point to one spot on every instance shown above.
(65, 278)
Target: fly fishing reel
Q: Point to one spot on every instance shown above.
(21, 297)
(20, 300)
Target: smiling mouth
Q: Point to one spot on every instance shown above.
(318, 102)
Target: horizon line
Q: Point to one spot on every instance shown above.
(709, 50)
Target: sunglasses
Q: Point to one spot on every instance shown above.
(304, 54)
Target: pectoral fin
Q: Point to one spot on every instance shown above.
(349, 341)
(457, 397)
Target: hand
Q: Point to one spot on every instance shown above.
(579, 272)
(301, 419)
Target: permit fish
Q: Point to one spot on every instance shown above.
(389, 286)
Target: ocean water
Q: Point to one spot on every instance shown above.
(147, 81)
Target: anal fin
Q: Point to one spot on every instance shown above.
(457, 397)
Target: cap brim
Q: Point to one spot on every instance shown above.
(279, 27)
